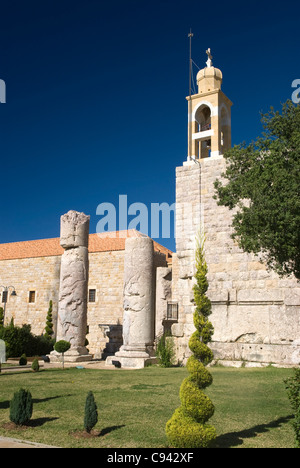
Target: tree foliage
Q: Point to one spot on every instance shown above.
(262, 183)
(35, 365)
(293, 391)
(1, 317)
(62, 347)
(20, 340)
(165, 352)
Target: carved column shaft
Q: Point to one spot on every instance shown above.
(72, 307)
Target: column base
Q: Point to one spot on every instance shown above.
(79, 354)
(132, 357)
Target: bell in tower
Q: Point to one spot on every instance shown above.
(209, 129)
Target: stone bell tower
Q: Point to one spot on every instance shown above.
(255, 314)
(209, 129)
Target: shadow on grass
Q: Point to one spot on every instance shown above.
(40, 421)
(107, 430)
(6, 404)
(42, 400)
(13, 372)
(234, 439)
(11, 426)
(82, 434)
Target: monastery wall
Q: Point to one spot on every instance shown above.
(41, 275)
(256, 314)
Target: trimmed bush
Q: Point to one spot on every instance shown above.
(20, 341)
(90, 413)
(23, 360)
(62, 347)
(184, 432)
(35, 365)
(188, 426)
(165, 351)
(21, 407)
(293, 389)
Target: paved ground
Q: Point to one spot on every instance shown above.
(45, 365)
(6, 442)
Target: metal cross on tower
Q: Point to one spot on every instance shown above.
(209, 61)
(191, 35)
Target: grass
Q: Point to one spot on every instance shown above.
(252, 408)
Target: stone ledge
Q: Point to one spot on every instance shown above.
(247, 364)
(285, 355)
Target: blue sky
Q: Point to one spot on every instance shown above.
(96, 97)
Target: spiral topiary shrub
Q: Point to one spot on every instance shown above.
(188, 427)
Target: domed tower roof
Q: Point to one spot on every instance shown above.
(209, 78)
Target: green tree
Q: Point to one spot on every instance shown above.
(262, 183)
(21, 407)
(49, 323)
(62, 347)
(293, 391)
(23, 360)
(20, 340)
(90, 413)
(1, 317)
(165, 352)
(188, 426)
(35, 365)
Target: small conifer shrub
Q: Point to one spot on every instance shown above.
(23, 360)
(21, 407)
(90, 413)
(35, 365)
(188, 427)
(165, 352)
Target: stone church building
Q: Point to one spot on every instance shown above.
(32, 268)
(256, 314)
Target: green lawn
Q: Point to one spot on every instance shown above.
(252, 408)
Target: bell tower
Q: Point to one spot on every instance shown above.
(209, 123)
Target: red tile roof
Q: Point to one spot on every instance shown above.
(104, 242)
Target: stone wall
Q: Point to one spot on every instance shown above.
(256, 314)
(107, 277)
(42, 275)
(31, 274)
(188, 196)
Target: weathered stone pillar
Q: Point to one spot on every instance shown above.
(72, 306)
(163, 295)
(138, 321)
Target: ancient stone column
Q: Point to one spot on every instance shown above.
(163, 295)
(72, 306)
(138, 320)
